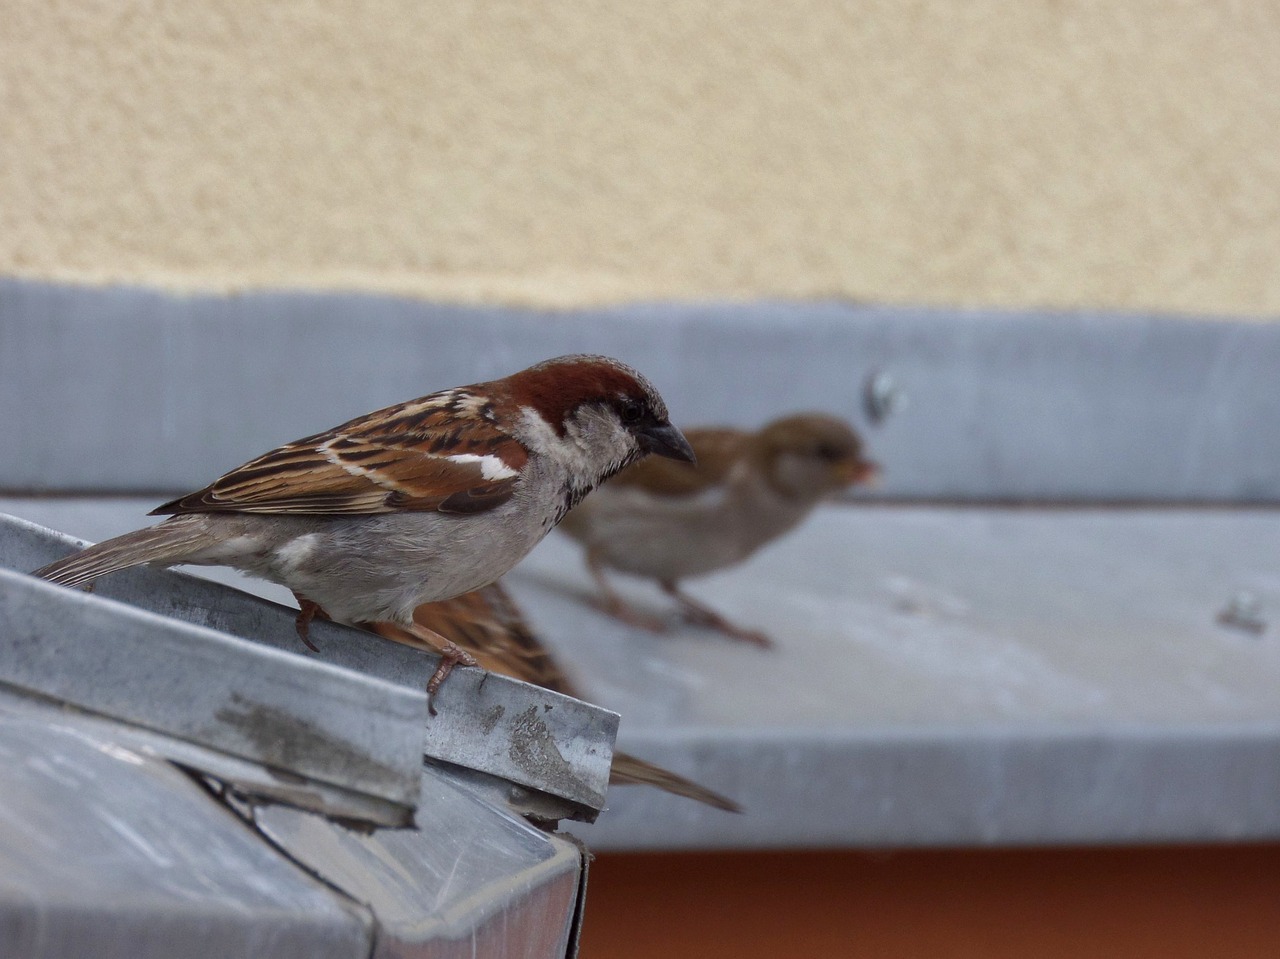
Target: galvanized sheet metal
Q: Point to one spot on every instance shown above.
(299, 717)
(470, 881)
(990, 405)
(111, 853)
(529, 736)
(943, 676)
(950, 677)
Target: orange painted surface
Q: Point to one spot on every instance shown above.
(1166, 902)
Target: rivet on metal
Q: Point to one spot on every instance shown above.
(883, 396)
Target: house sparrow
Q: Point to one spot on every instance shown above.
(488, 625)
(413, 503)
(671, 521)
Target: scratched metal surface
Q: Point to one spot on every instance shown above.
(943, 676)
(304, 720)
(472, 880)
(131, 390)
(113, 853)
(109, 851)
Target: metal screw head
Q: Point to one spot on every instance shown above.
(883, 396)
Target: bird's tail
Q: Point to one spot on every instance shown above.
(629, 770)
(165, 544)
(488, 624)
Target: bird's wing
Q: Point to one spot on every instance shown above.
(417, 456)
(487, 624)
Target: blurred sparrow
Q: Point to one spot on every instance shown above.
(671, 521)
(413, 503)
(488, 625)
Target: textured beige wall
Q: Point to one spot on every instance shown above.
(1025, 153)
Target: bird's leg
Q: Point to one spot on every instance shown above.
(614, 605)
(450, 655)
(421, 636)
(700, 615)
(307, 611)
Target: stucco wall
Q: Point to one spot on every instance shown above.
(1053, 153)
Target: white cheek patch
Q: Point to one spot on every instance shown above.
(592, 440)
(538, 434)
(537, 430)
(491, 467)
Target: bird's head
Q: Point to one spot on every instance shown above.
(810, 456)
(595, 413)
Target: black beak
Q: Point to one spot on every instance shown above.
(665, 440)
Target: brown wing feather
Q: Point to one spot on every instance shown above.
(488, 625)
(718, 450)
(362, 467)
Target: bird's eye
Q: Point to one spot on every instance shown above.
(825, 451)
(630, 410)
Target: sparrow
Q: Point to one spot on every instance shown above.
(672, 521)
(489, 626)
(411, 504)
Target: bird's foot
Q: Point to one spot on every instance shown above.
(632, 616)
(450, 655)
(698, 615)
(307, 611)
(753, 636)
(611, 604)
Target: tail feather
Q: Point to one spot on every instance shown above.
(166, 544)
(488, 624)
(629, 770)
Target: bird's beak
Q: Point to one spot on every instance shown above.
(665, 440)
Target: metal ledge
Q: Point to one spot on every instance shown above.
(991, 405)
(297, 718)
(943, 676)
(150, 664)
(950, 677)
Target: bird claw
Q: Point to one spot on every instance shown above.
(698, 615)
(753, 636)
(693, 613)
(710, 620)
(450, 655)
(307, 611)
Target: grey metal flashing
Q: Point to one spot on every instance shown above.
(944, 676)
(112, 853)
(471, 880)
(949, 677)
(364, 693)
(109, 851)
(1086, 784)
(250, 779)
(297, 717)
(126, 389)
